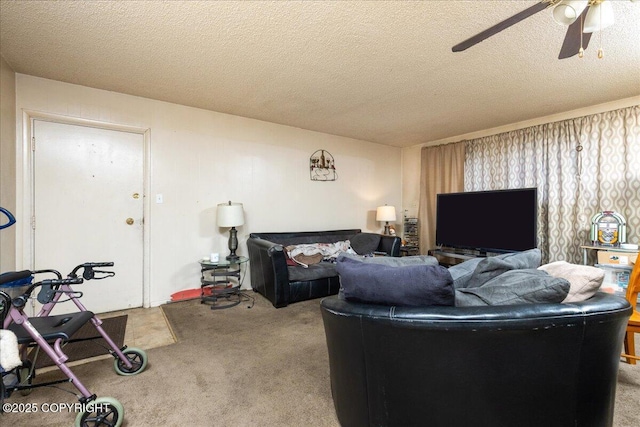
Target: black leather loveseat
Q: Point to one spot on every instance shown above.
(535, 365)
(282, 284)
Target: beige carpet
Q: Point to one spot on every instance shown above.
(238, 367)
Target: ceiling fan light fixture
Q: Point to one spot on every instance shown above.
(567, 11)
(599, 17)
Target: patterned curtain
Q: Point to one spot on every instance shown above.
(580, 166)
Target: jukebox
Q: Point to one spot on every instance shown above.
(608, 228)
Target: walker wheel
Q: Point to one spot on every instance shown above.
(104, 411)
(138, 359)
(25, 377)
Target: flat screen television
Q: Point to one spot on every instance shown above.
(488, 221)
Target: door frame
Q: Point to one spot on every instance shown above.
(25, 189)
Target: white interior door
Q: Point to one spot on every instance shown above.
(88, 206)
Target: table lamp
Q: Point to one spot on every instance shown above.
(231, 215)
(386, 213)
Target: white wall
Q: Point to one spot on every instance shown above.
(7, 163)
(200, 158)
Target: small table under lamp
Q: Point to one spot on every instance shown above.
(231, 215)
(386, 213)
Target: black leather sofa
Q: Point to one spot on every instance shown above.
(282, 284)
(539, 365)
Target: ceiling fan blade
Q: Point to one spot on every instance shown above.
(501, 26)
(571, 44)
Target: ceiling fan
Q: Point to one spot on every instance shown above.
(582, 17)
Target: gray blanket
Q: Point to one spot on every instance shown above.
(515, 287)
(492, 267)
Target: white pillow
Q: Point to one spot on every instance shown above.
(584, 279)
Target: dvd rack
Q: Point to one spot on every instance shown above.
(411, 240)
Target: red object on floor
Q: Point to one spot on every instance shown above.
(190, 294)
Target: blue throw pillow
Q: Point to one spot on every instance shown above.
(410, 285)
(393, 261)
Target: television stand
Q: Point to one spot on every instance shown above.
(450, 256)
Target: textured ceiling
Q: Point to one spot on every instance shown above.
(377, 71)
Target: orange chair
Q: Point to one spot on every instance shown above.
(633, 327)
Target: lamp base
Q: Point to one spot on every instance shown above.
(233, 244)
(387, 229)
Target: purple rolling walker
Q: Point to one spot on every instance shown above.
(50, 333)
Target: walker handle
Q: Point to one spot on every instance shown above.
(97, 264)
(21, 301)
(89, 272)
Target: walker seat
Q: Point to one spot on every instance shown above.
(51, 328)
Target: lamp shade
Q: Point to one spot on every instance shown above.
(230, 215)
(567, 11)
(386, 213)
(599, 17)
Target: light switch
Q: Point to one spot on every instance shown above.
(159, 198)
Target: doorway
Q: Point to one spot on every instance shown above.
(88, 206)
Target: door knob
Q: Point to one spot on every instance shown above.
(129, 221)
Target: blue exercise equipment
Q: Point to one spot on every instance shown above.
(12, 219)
